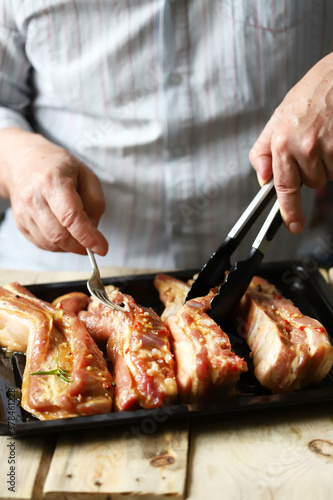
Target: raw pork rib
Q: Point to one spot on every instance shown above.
(172, 293)
(206, 366)
(290, 350)
(57, 339)
(16, 319)
(73, 302)
(139, 348)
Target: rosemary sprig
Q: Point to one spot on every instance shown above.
(62, 373)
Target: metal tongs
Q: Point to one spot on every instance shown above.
(235, 283)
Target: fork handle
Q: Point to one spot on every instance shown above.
(92, 260)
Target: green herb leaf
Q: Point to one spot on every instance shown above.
(63, 370)
(62, 373)
(50, 372)
(64, 378)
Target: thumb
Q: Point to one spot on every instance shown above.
(261, 156)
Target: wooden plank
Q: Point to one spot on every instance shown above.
(21, 465)
(264, 456)
(146, 460)
(29, 277)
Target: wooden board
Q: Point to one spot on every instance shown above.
(31, 277)
(29, 459)
(273, 456)
(143, 461)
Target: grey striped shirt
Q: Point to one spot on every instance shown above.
(163, 100)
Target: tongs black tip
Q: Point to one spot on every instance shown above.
(235, 285)
(217, 271)
(217, 265)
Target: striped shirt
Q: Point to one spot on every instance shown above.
(163, 100)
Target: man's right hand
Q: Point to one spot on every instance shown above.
(57, 200)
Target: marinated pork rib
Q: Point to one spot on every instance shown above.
(16, 319)
(206, 366)
(290, 350)
(77, 381)
(172, 293)
(139, 348)
(73, 302)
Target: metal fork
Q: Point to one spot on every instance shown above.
(96, 287)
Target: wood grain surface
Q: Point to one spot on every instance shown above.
(120, 461)
(285, 455)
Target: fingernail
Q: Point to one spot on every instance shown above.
(260, 180)
(295, 227)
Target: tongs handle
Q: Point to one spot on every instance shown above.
(213, 272)
(240, 276)
(269, 229)
(252, 212)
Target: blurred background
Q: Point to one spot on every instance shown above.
(3, 205)
(320, 244)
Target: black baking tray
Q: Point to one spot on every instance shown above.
(303, 284)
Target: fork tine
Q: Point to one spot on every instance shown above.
(104, 299)
(97, 289)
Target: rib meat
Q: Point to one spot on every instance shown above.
(206, 365)
(16, 319)
(57, 339)
(73, 302)
(172, 293)
(138, 345)
(290, 350)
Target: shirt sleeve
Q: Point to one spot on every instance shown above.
(15, 74)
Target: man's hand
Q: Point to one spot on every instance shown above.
(57, 201)
(296, 146)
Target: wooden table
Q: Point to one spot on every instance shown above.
(285, 454)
